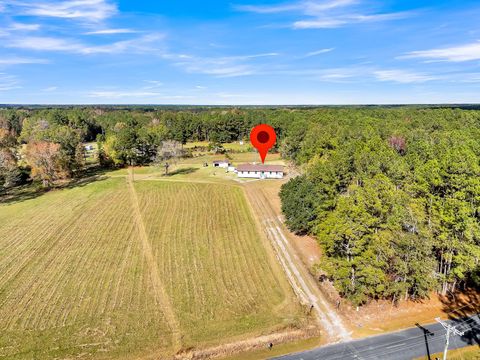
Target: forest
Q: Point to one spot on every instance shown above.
(392, 194)
(393, 197)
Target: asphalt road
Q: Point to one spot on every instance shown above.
(406, 344)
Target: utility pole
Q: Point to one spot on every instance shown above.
(450, 329)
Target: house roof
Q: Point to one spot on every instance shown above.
(221, 161)
(259, 167)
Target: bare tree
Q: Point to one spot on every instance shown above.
(169, 152)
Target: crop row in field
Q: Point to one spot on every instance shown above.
(101, 271)
(217, 272)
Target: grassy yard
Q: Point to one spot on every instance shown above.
(234, 146)
(466, 353)
(83, 274)
(193, 169)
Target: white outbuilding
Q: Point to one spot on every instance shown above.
(222, 163)
(260, 171)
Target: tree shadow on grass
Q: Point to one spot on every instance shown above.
(182, 171)
(463, 310)
(34, 189)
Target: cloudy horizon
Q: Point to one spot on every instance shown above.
(239, 53)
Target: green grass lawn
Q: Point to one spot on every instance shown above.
(233, 146)
(466, 353)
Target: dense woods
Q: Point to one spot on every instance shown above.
(391, 194)
(393, 197)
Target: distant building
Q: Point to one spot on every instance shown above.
(221, 163)
(89, 147)
(260, 171)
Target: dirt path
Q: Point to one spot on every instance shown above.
(302, 282)
(160, 293)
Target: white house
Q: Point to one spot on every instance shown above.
(260, 171)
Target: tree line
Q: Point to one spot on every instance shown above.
(393, 197)
(47, 144)
(391, 194)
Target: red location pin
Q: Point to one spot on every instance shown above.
(263, 138)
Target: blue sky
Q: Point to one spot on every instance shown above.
(239, 52)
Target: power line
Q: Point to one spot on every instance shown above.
(409, 342)
(381, 349)
(450, 329)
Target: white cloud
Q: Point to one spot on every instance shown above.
(460, 53)
(341, 74)
(85, 10)
(268, 9)
(218, 70)
(319, 24)
(325, 14)
(307, 7)
(402, 76)
(360, 73)
(246, 57)
(38, 43)
(318, 8)
(152, 84)
(341, 20)
(227, 66)
(111, 32)
(318, 52)
(232, 71)
(19, 61)
(380, 17)
(24, 27)
(470, 77)
(50, 89)
(43, 44)
(8, 82)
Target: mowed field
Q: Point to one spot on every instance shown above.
(141, 269)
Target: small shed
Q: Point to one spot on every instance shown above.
(222, 163)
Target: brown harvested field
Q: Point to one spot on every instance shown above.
(218, 275)
(73, 277)
(85, 272)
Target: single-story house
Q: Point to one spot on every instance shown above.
(221, 163)
(260, 171)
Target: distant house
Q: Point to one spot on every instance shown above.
(260, 171)
(89, 147)
(221, 163)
